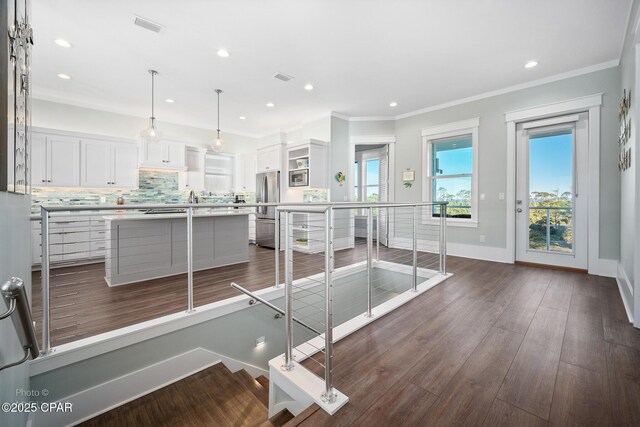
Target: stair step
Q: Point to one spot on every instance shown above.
(255, 387)
(264, 381)
(297, 420)
(278, 420)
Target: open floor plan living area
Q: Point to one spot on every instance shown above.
(319, 213)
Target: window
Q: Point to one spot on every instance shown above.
(450, 164)
(367, 176)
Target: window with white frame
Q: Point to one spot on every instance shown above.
(450, 162)
(367, 176)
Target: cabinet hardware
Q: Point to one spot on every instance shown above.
(44, 180)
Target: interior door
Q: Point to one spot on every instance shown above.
(551, 199)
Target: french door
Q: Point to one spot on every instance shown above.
(551, 191)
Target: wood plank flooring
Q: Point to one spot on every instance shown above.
(82, 305)
(495, 345)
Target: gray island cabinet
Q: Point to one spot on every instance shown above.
(143, 247)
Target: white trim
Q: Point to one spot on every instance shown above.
(574, 105)
(447, 130)
(484, 253)
(372, 139)
(108, 395)
(551, 121)
(454, 127)
(372, 118)
(590, 104)
(626, 291)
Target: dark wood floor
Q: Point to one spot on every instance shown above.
(82, 305)
(496, 344)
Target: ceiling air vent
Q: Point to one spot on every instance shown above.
(282, 76)
(147, 24)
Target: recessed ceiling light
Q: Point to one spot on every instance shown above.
(308, 86)
(242, 118)
(531, 64)
(62, 43)
(169, 100)
(64, 76)
(270, 104)
(223, 53)
(393, 104)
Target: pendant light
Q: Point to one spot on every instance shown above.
(217, 144)
(151, 134)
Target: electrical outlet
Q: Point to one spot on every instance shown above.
(260, 341)
(482, 196)
(501, 196)
(482, 238)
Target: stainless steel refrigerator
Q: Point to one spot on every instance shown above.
(267, 191)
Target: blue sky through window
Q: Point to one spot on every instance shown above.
(551, 163)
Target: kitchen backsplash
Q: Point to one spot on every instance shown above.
(154, 187)
(315, 196)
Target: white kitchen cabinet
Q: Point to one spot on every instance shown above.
(309, 157)
(106, 164)
(245, 173)
(55, 161)
(269, 158)
(163, 155)
(125, 165)
(193, 177)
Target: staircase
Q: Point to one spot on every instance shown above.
(212, 397)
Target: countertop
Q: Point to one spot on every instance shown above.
(128, 216)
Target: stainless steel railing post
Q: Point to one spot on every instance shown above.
(329, 394)
(45, 273)
(378, 234)
(277, 248)
(443, 233)
(190, 259)
(369, 261)
(288, 290)
(415, 249)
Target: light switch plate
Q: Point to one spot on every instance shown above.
(501, 196)
(482, 196)
(482, 238)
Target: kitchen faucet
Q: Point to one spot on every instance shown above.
(192, 197)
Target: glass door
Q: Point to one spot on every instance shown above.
(551, 214)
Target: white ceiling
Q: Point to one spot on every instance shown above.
(359, 54)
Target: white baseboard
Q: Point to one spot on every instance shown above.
(118, 391)
(626, 291)
(485, 253)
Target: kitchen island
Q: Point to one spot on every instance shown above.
(141, 247)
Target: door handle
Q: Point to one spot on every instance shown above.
(519, 210)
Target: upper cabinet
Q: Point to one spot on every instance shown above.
(163, 155)
(193, 177)
(106, 164)
(55, 161)
(245, 173)
(269, 158)
(307, 164)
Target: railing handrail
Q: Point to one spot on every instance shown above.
(335, 205)
(271, 306)
(14, 291)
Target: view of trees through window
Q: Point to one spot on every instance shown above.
(550, 194)
(451, 170)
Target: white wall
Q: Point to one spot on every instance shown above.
(67, 117)
(629, 232)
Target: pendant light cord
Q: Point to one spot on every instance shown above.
(218, 113)
(153, 91)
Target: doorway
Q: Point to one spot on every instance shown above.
(551, 209)
(371, 184)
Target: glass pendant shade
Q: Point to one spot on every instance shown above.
(217, 144)
(151, 134)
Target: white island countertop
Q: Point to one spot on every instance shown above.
(205, 212)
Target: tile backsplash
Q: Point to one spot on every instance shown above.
(154, 187)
